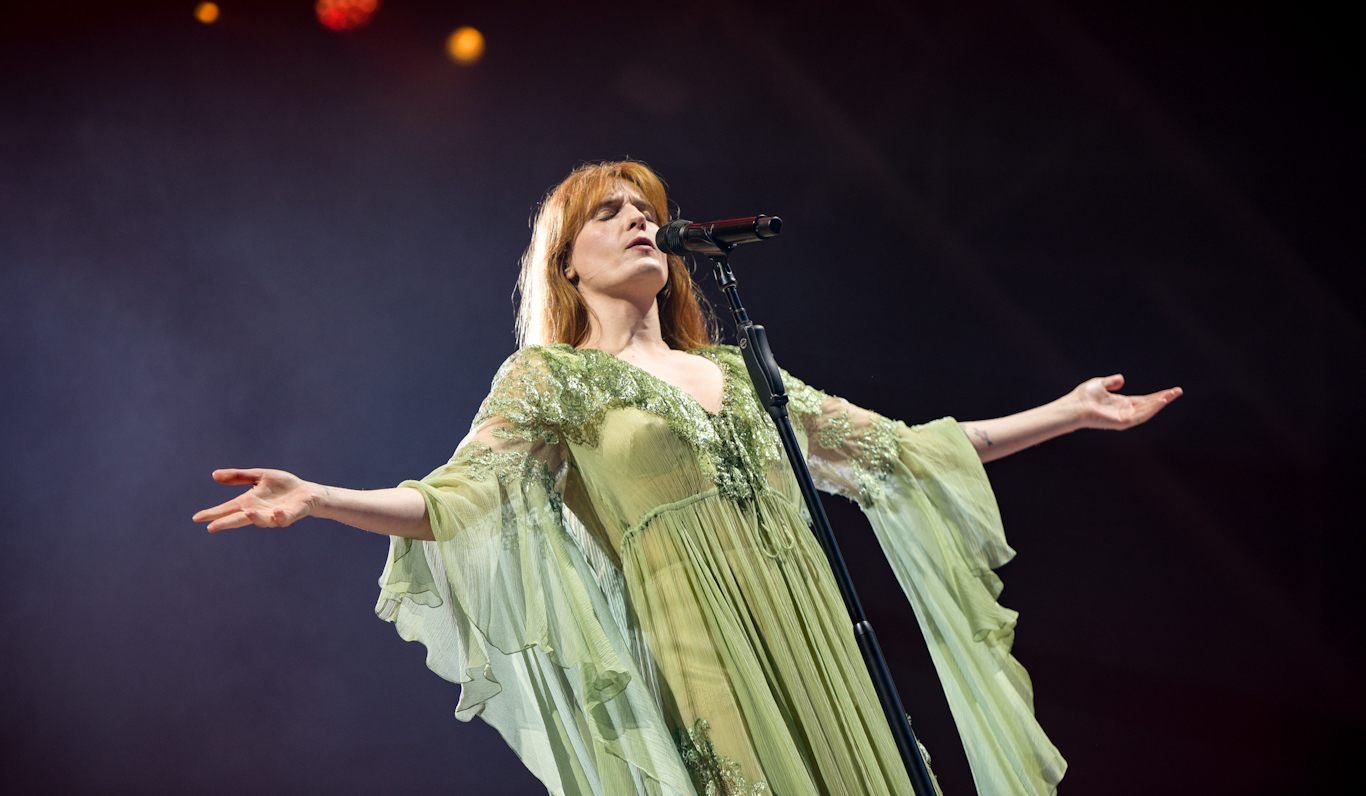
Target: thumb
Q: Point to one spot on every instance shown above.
(1112, 383)
(235, 477)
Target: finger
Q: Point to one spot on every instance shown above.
(1148, 405)
(1164, 397)
(238, 476)
(231, 521)
(1112, 383)
(1161, 399)
(268, 518)
(221, 510)
(257, 518)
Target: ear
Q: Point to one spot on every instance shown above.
(571, 274)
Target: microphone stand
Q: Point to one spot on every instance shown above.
(768, 385)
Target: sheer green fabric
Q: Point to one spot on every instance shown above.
(626, 588)
(939, 527)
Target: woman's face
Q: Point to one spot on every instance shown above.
(614, 253)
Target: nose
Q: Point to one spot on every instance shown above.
(636, 217)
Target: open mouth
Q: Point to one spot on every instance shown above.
(642, 240)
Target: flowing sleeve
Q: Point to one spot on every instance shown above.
(927, 497)
(507, 605)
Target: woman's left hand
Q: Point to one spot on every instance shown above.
(1102, 407)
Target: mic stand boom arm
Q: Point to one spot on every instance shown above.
(768, 385)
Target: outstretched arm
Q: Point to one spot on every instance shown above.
(278, 498)
(1093, 404)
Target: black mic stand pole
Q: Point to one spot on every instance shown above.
(768, 385)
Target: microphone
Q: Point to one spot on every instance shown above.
(715, 237)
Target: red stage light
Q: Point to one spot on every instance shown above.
(345, 14)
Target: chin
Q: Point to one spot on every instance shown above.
(656, 272)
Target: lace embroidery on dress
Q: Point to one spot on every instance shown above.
(548, 392)
(803, 400)
(876, 459)
(713, 774)
(836, 430)
(481, 461)
(847, 460)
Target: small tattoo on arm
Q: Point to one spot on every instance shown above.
(972, 431)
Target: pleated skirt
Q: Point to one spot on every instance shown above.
(762, 679)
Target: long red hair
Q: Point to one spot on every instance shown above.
(552, 310)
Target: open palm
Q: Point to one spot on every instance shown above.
(276, 499)
(1103, 408)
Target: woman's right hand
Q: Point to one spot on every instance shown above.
(276, 499)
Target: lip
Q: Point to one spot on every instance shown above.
(642, 240)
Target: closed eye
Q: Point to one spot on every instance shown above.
(610, 206)
(608, 209)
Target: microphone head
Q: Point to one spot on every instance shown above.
(767, 226)
(669, 238)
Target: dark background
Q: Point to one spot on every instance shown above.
(263, 243)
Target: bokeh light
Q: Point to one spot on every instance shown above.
(206, 12)
(466, 45)
(345, 14)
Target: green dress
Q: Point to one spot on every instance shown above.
(627, 589)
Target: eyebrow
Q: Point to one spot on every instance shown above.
(619, 199)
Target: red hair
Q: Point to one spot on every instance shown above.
(552, 310)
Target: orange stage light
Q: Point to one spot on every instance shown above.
(345, 14)
(465, 46)
(206, 12)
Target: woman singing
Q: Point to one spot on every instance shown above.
(616, 563)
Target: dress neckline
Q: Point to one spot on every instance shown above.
(704, 353)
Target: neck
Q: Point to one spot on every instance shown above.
(620, 326)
